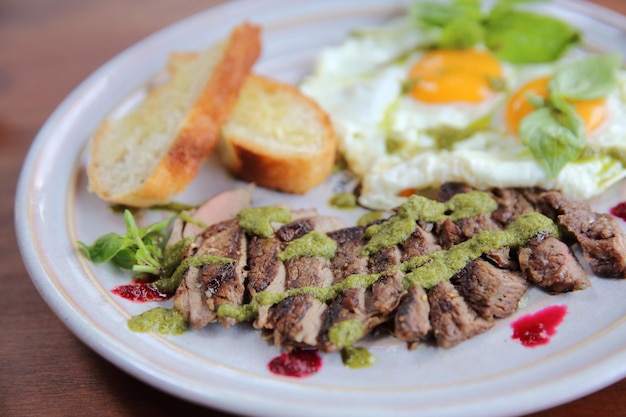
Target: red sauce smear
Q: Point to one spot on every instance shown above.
(298, 363)
(619, 210)
(534, 330)
(140, 292)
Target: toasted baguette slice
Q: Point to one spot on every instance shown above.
(277, 137)
(154, 151)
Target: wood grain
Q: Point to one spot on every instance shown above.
(47, 47)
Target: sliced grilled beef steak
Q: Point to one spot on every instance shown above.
(491, 291)
(451, 318)
(266, 272)
(550, 263)
(293, 320)
(225, 283)
(455, 309)
(411, 321)
(601, 239)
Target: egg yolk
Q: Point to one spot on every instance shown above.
(446, 75)
(593, 112)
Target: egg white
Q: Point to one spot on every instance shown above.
(360, 84)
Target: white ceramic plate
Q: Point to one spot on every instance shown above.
(489, 375)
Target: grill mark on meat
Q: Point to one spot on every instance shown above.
(450, 189)
(190, 298)
(294, 230)
(411, 321)
(225, 283)
(296, 321)
(491, 291)
(347, 260)
(511, 204)
(308, 272)
(600, 238)
(349, 305)
(421, 242)
(451, 318)
(293, 321)
(550, 263)
(301, 227)
(384, 259)
(266, 272)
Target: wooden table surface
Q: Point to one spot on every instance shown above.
(47, 47)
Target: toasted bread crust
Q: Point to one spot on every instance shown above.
(199, 132)
(290, 169)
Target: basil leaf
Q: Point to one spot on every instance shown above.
(105, 247)
(524, 37)
(535, 100)
(588, 78)
(154, 228)
(552, 144)
(504, 6)
(439, 14)
(461, 33)
(125, 258)
(567, 116)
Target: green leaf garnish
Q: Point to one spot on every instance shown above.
(588, 78)
(554, 132)
(441, 13)
(138, 250)
(461, 33)
(525, 37)
(513, 35)
(552, 144)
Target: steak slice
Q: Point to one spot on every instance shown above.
(491, 291)
(599, 236)
(450, 189)
(511, 204)
(384, 259)
(266, 272)
(349, 305)
(296, 321)
(203, 289)
(452, 319)
(411, 322)
(225, 283)
(347, 259)
(550, 263)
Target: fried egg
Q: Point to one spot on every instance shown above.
(392, 101)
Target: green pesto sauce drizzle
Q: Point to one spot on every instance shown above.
(313, 243)
(173, 255)
(169, 285)
(159, 320)
(370, 217)
(257, 220)
(346, 333)
(344, 201)
(426, 270)
(446, 136)
(357, 357)
(398, 228)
